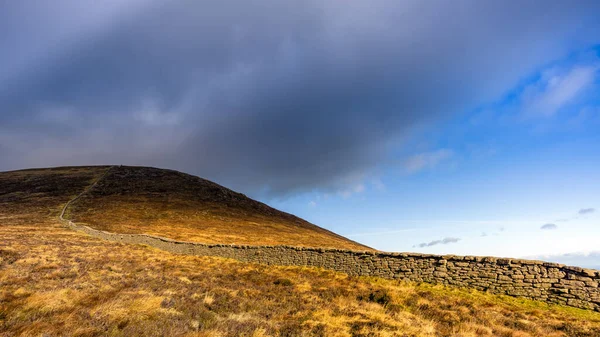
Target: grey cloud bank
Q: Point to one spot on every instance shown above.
(584, 211)
(271, 97)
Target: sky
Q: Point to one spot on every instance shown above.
(446, 127)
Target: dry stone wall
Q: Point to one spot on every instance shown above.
(537, 280)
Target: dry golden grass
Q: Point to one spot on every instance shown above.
(182, 207)
(63, 283)
(206, 223)
(56, 282)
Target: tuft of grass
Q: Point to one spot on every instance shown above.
(283, 282)
(380, 296)
(8, 256)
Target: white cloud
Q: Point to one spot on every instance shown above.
(312, 203)
(427, 160)
(358, 188)
(557, 88)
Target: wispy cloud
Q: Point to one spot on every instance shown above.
(549, 226)
(581, 259)
(348, 192)
(557, 88)
(377, 233)
(378, 184)
(444, 241)
(581, 213)
(584, 211)
(427, 160)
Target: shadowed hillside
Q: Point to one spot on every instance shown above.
(43, 192)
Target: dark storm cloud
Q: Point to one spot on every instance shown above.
(275, 96)
(444, 241)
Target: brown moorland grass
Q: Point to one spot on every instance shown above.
(57, 282)
(179, 206)
(63, 283)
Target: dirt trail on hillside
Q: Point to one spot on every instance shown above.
(86, 190)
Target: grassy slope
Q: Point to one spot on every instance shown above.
(183, 207)
(59, 282)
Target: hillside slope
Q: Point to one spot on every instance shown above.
(169, 204)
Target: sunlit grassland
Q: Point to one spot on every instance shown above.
(57, 282)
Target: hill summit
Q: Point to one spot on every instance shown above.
(172, 204)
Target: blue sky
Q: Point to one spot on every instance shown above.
(464, 127)
(491, 177)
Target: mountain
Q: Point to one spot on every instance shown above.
(169, 204)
